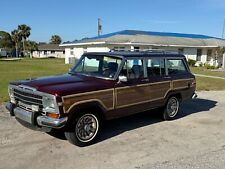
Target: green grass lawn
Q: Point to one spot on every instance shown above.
(203, 71)
(26, 68)
(204, 83)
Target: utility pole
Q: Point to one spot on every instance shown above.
(223, 29)
(99, 27)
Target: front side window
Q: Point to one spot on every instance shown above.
(176, 66)
(155, 67)
(133, 69)
(98, 66)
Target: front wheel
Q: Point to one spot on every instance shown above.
(171, 108)
(84, 130)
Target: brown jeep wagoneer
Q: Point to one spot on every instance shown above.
(102, 86)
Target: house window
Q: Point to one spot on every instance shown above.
(199, 54)
(119, 49)
(209, 54)
(181, 51)
(136, 48)
(45, 52)
(71, 51)
(52, 52)
(64, 52)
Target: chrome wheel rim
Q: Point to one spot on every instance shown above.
(87, 127)
(172, 106)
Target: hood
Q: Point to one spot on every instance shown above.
(66, 84)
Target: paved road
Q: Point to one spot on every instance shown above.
(195, 140)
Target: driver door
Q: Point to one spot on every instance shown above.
(135, 91)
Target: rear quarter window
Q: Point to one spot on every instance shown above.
(176, 66)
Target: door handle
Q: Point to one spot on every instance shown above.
(167, 77)
(145, 80)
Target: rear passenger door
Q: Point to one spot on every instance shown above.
(180, 75)
(159, 83)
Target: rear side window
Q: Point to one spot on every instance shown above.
(176, 66)
(133, 69)
(155, 67)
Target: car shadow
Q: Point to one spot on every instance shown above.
(116, 127)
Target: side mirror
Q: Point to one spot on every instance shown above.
(122, 79)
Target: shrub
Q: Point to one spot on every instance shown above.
(191, 62)
(208, 66)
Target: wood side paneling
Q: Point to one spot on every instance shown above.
(182, 83)
(126, 96)
(141, 93)
(105, 97)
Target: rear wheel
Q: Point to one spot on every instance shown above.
(171, 108)
(84, 129)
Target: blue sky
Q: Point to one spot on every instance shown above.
(75, 19)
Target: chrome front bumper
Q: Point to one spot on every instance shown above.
(50, 122)
(23, 115)
(31, 118)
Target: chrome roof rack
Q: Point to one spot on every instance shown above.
(162, 51)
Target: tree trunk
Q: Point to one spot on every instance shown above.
(16, 50)
(23, 47)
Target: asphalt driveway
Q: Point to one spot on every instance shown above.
(195, 140)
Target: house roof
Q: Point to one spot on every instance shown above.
(136, 37)
(49, 47)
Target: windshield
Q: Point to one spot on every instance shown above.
(98, 66)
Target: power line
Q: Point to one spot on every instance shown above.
(99, 27)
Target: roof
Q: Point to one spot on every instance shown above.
(136, 37)
(49, 47)
(137, 54)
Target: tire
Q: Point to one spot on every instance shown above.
(171, 108)
(84, 129)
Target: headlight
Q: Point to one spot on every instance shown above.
(11, 95)
(48, 102)
(49, 105)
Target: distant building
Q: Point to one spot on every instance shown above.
(5, 52)
(49, 50)
(197, 47)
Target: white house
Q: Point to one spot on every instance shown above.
(197, 47)
(49, 50)
(4, 52)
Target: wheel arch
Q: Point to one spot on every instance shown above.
(94, 105)
(177, 94)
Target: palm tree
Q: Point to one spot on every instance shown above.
(16, 38)
(56, 39)
(31, 46)
(25, 33)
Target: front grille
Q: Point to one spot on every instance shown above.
(26, 99)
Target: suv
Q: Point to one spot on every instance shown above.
(102, 86)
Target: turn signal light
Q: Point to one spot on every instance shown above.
(53, 115)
